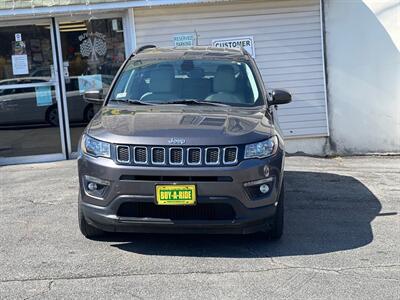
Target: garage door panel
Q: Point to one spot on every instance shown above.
(283, 36)
(305, 117)
(300, 90)
(308, 96)
(288, 42)
(302, 104)
(288, 47)
(271, 78)
(280, 64)
(233, 9)
(288, 56)
(316, 108)
(294, 84)
(299, 132)
(213, 32)
(277, 71)
(283, 20)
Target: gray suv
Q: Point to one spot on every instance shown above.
(185, 142)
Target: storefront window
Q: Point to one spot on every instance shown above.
(25, 52)
(28, 99)
(92, 53)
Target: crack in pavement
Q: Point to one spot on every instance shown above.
(312, 269)
(49, 286)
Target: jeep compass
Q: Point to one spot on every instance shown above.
(185, 141)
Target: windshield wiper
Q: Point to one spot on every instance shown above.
(195, 101)
(134, 101)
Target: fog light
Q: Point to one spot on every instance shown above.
(264, 188)
(266, 171)
(95, 187)
(92, 186)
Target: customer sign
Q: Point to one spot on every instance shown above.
(247, 42)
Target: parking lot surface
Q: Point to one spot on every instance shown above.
(341, 241)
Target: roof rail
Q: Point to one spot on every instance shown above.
(244, 51)
(142, 48)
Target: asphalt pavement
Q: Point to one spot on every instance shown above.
(341, 241)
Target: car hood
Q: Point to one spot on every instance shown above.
(205, 125)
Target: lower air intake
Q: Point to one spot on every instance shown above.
(205, 211)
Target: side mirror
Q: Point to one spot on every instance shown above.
(278, 97)
(94, 97)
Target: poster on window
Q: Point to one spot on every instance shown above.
(20, 64)
(43, 96)
(19, 59)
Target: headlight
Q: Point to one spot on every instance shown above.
(95, 147)
(262, 149)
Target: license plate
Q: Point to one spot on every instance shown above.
(176, 194)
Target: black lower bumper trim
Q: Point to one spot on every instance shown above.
(133, 225)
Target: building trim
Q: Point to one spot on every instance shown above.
(68, 9)
(31, 159)
(322, 22)
(128, 21)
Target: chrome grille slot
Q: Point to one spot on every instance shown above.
(176, 156)
(194, 156)
(230, 155)
(158, 155)
(212, 156)
(123, 154)
(140, 155)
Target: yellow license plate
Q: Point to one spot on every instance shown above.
(176, 194)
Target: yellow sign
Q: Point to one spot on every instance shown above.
(176, 194)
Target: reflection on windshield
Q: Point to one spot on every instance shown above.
(188, 82)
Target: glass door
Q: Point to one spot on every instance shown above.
(29, 94)
(92, 52)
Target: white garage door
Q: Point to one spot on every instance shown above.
(288, 47)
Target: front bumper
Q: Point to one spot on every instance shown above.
(251, 214)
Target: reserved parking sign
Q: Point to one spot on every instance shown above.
(247, 42)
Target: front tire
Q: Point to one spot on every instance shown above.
(86, 229)
(276, 230)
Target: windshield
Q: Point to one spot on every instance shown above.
(176, 81)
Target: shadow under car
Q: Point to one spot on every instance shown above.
(324, 213)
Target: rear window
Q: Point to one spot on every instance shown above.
(163, 81)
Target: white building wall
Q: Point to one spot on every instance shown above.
(363, 71)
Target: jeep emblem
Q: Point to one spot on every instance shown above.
(176, 141)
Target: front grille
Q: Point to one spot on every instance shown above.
(201, 211)
(230, 155)
(194, 156)
(212, 156)
(123, 154)
(158, 155)
(140, 155)
(177, 156)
